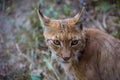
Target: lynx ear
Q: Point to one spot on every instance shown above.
(44, 20)
(76, 18)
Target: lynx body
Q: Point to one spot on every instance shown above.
(85, 54)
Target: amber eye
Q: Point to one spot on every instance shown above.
(56, 42)
(74, 42)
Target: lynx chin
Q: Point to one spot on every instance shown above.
(85, 54)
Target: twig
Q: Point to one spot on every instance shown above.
(22, 54)
(96, 22)
(104, 21)
(56, 75)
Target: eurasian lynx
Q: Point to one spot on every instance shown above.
(85, 54)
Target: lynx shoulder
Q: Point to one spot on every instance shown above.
(85, 54)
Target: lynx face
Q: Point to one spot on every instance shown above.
(65, 38)
(64, 41)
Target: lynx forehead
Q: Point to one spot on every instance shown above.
(63, 31)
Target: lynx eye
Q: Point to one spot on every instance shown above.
(74, 42)
(56, 42)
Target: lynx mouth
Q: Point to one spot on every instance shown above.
(65, 62)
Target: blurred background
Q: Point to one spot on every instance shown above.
(23, 53)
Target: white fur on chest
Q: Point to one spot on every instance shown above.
(66, 67)
(68, 70)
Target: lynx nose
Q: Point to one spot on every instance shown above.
(66, 58)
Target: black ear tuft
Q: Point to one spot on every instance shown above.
(40, 7)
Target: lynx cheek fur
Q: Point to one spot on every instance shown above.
(85, 54)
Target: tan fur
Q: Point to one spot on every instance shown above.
(97, 57)
(101, 57)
